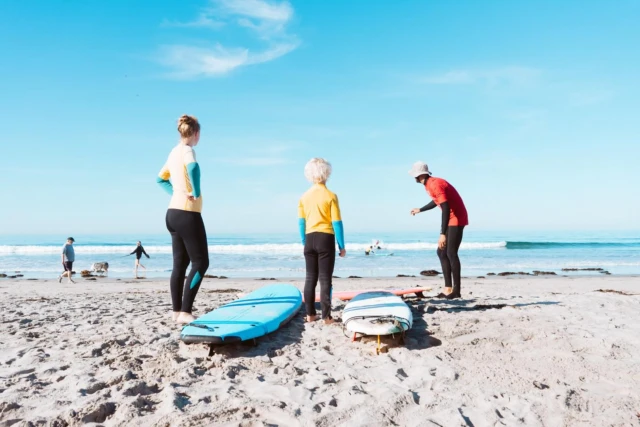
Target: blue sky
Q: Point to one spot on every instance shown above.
(529, 108)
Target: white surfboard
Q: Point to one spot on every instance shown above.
(377, 313)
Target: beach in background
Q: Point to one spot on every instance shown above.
(280, 255)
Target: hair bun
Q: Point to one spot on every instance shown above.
(188, 126)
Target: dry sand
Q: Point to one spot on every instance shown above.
(545, 351)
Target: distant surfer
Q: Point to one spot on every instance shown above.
(139, 250)
(454, 219)
(180, 177)
(320, 225)
(68, 257)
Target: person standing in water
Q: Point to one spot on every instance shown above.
(139, 250)
(320, 225)
(454, 219)
(180, 177)
(68, 257)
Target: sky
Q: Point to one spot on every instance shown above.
(529, 109)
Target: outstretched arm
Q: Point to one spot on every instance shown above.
(425, 208)
(428, 207)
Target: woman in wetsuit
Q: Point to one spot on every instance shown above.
(180, 177)
(320, 225)
(454, 219)
(139, 250)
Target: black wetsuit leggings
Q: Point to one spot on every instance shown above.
(189, 242)
(449, 257)
(320, 258)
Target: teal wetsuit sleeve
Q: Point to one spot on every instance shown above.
(302, 226)
(338, 229)
(193, 169)
(166, 185)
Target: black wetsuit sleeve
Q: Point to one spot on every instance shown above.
(144, 252)
(428, 207)
(446, 212)
(134, 251)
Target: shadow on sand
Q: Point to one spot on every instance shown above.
(270, 345)
(419, 337)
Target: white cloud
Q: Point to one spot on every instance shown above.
(203, 21)
(255, 9)
(189, 62)
(492, 77)
(266, 20)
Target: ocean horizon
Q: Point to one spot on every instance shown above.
(280, 255)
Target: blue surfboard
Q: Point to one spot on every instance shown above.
(254, 315)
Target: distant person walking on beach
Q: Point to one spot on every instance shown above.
(454, 219)
(320, 225)
(139, 250)
(68, 257)
(180, 177)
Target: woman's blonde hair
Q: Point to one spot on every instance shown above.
(317, 170)
(188, 126)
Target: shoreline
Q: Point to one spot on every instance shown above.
(515, 350)
(22, 277)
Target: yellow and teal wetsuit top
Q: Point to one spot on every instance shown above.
(180, 177)
(319, 212)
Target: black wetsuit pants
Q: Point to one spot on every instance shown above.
(449, 257)
(320, 258)
(189, 242)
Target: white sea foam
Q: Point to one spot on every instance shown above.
(287, 248)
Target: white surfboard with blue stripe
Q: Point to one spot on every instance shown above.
(377, 313)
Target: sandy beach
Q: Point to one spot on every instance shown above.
(534, 351)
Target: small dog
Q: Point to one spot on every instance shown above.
(100, 267)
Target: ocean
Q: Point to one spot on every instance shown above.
(280, 256)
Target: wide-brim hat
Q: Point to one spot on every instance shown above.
(418, 169)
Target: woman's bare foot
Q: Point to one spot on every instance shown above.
(329, 321)
(310, 319)
(174, 315)
(185, 318)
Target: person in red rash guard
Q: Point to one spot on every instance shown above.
(454, 219)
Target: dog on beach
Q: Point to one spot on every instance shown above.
(100, 267)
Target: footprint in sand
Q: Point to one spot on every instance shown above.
(5, 407)
(144, 404)
(100, 413)
(93, 388)
(181, 400)
(142, 389)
